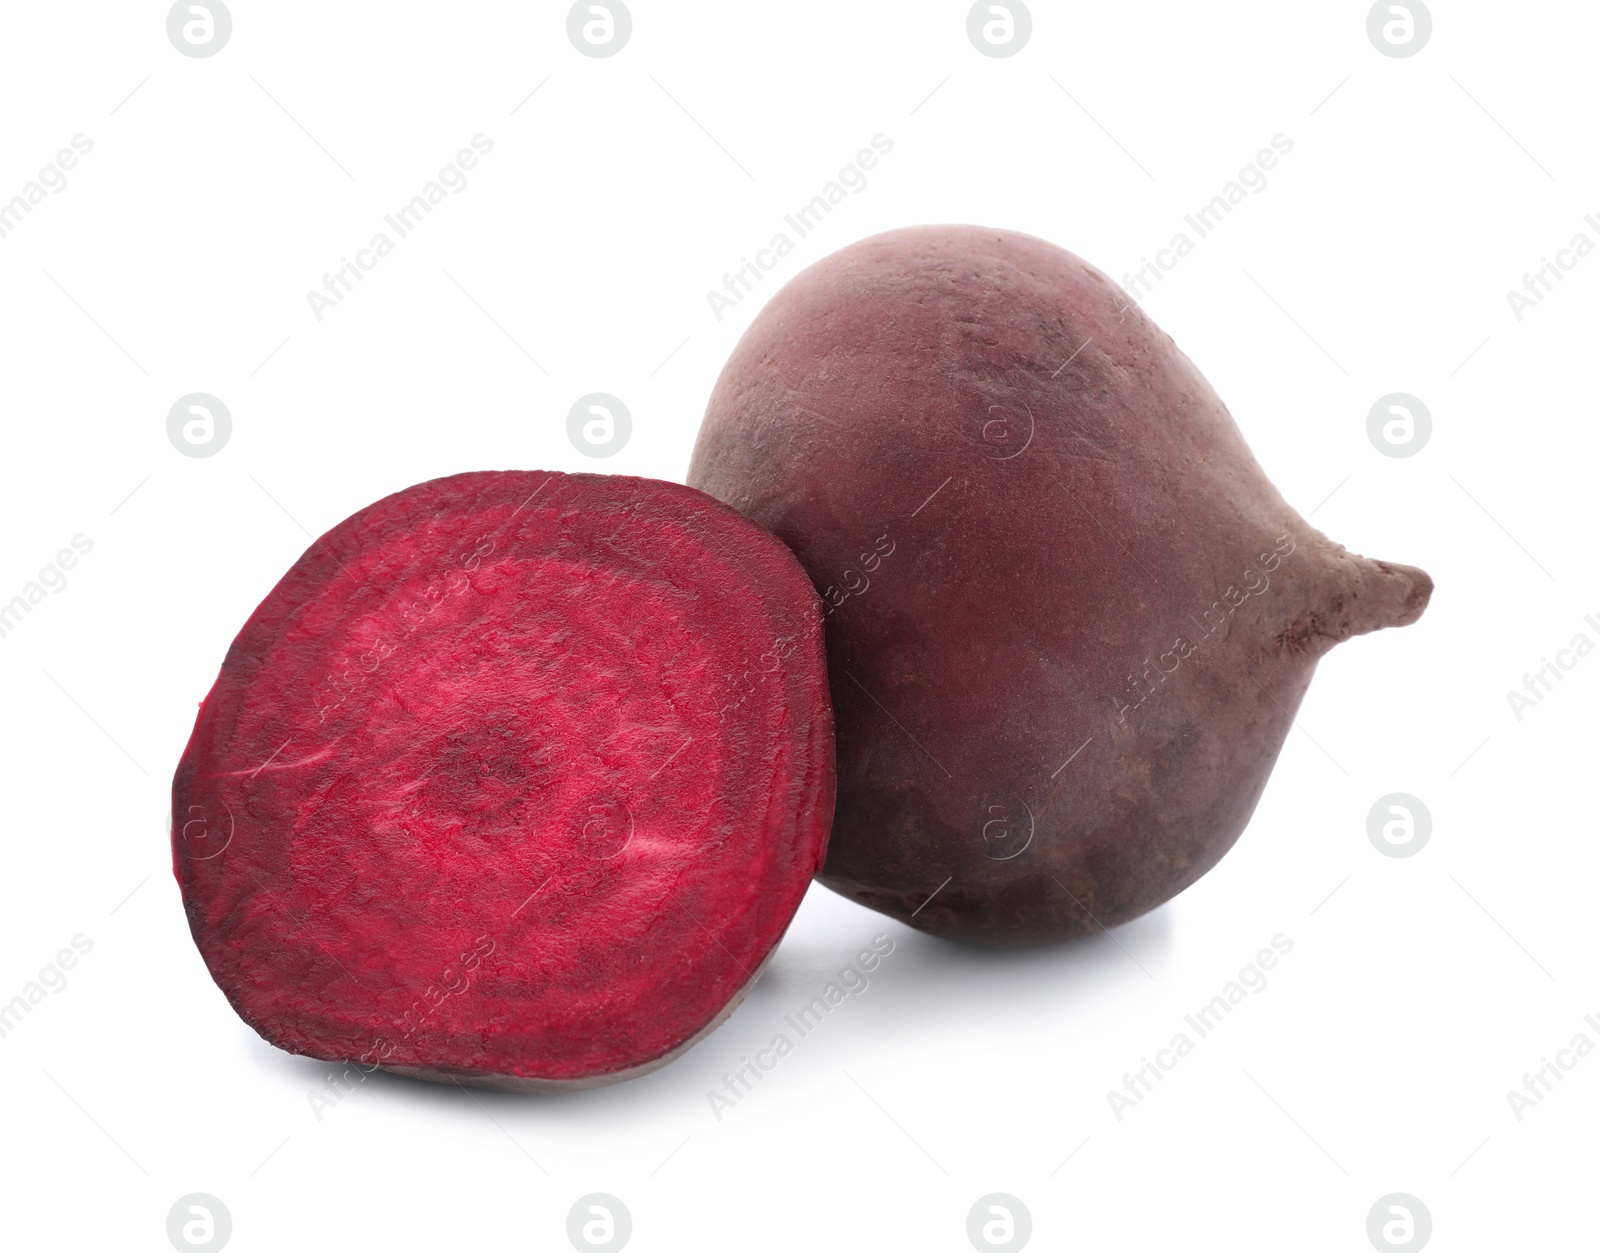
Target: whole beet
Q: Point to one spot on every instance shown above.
(1069, 619)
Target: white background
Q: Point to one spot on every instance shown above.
(177, 259)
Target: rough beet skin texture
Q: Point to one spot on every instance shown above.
(1068, 618)
(515, 778)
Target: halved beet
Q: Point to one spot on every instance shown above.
(514, 778)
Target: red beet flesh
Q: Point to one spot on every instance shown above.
(515, 778)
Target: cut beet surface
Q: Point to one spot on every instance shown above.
(514, 778)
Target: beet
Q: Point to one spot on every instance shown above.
(1070, 619)
(514, 778)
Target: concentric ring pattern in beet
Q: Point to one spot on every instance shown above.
(515, 777)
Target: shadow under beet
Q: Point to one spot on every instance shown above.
(846, 987)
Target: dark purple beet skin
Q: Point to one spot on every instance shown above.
(514, 778)
(1039, 536)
